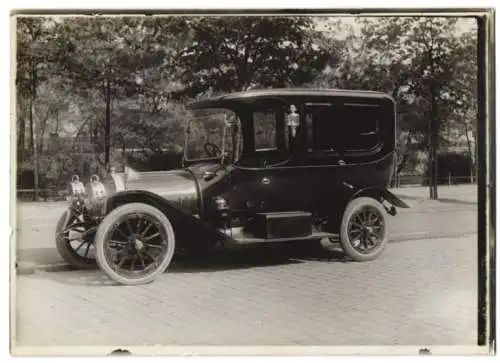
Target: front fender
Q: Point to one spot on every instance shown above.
(188, 228)
(380, 193)
(143, 196)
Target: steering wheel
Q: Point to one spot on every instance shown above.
(211, 149)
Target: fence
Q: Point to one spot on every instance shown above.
(43, 195)
(423, 180)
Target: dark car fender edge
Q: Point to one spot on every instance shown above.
(183, 222)
(380, 193)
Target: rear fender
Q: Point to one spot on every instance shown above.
(188, 228)
(380, 194)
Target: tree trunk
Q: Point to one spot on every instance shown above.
(21, 139)
(406, 154)
(433, 134)
(34, 151)
(432, 157)
(21, 130)
(430, 168)
(41, 134)
(469, 148)
(107, 124)
(433, 171)
(435, 147)
(475, 162)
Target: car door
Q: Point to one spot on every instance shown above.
(342, 140)
(270, 189)
(263, 180)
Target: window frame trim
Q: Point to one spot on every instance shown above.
(310, 150)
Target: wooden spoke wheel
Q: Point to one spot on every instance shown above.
(134, 243)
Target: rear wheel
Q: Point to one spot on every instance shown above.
(134, 243)
(364, 229)
(74, 241)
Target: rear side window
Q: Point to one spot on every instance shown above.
(361, 129)
(345, 129)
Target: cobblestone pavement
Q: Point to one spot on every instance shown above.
(418, 293)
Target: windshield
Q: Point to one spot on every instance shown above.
(213, 133)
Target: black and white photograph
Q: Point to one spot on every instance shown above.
(285, 182)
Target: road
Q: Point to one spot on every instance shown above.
(418, 293)
(422, 291)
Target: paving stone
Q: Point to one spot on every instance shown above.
(419, 292)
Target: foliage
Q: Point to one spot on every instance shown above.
(235, 53)
(416, 60)
(88, 87)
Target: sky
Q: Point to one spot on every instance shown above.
(463, 24)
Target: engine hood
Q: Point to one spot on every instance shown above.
(177, 186)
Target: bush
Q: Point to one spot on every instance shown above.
(454, 166)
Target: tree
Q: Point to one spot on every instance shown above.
(33, 59)
(413, 59)
(464, 85)
(114, 58)
(433, 67)
(235, 53)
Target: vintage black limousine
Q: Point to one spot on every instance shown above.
(260, 166)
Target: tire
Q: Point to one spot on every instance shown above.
(134, 245)
(65, 248)
(351, 242)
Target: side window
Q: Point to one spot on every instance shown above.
(343, 129)
(264, 130)
(323, 129)
(362, 131)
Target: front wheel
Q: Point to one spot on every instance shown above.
(364, 229)
(134, 243)
(74, 241)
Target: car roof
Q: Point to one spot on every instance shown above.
(307, 93)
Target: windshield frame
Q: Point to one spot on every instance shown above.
(227, 125)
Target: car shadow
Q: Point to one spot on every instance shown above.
(217, 261)
(251, 257)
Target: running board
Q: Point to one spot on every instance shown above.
(238, 236)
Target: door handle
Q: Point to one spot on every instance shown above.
(266, 181)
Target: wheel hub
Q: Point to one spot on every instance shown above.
(367, 231)
(138, 244)
(135, 244)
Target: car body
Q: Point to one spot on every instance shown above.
(279, 166)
